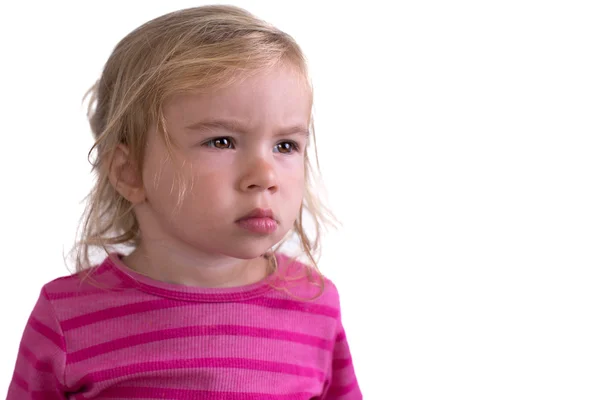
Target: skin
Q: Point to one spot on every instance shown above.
(252, 158)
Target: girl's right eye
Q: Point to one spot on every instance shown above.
(222, 143)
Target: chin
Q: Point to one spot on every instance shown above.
(246, 253)
(249, 249)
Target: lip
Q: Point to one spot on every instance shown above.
(258, 213)
(259, 220)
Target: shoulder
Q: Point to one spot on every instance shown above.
(81, 283)
(305, 282)
(73, 294)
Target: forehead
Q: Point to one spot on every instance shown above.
(280, 95)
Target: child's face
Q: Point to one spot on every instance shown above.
(234, 149)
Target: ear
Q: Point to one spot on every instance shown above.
(125, 177)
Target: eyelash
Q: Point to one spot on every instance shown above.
(211, 142)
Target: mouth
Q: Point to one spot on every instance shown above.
(259, 213)
(259, 220)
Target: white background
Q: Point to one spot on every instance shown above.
(460, 147)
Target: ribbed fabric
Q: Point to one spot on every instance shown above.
(116, 334)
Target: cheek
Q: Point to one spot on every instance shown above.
(165, 180)
(157, 171)
(294, 165)
(205, 185)
(159, 182)
(295, 180)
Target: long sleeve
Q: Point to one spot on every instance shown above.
(343, 383)
(39, 369)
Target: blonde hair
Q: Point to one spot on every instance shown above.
(193, 49)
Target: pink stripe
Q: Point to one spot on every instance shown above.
(341, 336)
(66, 295)
(341, 363)
(79, 293)
(238, 363)
(27, 354)
(37, 364)
(283, 304)
(168, 393)
(154, 305)
(192, 331)
(47, 332)
(85, 276)
(45, 395)
(342, 390)
(20, 382)
(80, 277)
(85, 292)
(119, 311)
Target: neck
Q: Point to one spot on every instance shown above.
(193, 268)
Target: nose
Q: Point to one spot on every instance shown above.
(259, 175)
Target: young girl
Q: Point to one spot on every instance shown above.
(202, 119)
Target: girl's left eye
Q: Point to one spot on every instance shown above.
(221, 143)
(286, 147)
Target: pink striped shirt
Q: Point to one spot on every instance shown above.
(121, 335)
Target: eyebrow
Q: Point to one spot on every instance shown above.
(234, 126)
